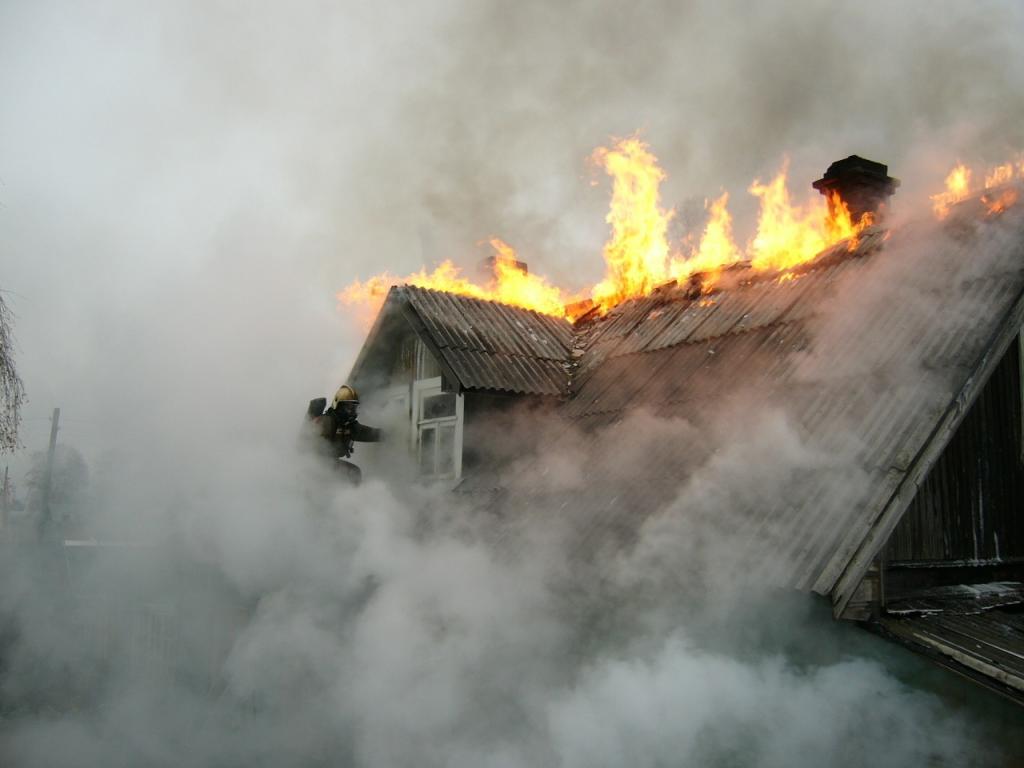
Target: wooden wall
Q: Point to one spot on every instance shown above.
(970, 509)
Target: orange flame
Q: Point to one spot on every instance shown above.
(999, 200)
(514, 285)
(510, 285)
(636, 255)
(789, 235)
(1001, 174)
(958, 184)
(999, 196)
(998, 193)
(717, 248)
(839, 224)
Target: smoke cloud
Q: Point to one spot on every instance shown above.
(182, 190)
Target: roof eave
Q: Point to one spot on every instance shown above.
(397, 304)
(371, 337)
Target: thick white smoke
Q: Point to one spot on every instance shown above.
(184, 187)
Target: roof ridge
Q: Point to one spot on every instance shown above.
(466, 297)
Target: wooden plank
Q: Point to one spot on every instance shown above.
(886, 521)
(960, 648)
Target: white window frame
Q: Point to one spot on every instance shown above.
(425, 388)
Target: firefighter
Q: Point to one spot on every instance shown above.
(339, 427)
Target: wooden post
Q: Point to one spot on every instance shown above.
(44, 520)
(5, 501)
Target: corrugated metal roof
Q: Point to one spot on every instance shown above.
(491, 346)
(865, 354)
(862, 354)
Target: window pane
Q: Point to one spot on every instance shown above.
(446, 450)
(438, 406)
(426, 366)
(427, 450)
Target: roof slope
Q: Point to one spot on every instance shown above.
(872, 357)
(485, 345)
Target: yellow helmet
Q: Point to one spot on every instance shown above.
(346, 394)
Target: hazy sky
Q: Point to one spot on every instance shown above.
(184, 186)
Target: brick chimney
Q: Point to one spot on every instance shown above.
(864, 185)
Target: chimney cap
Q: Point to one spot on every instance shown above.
(856, 167)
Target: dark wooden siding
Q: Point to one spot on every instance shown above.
(970, 506)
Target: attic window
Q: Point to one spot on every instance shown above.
(427, 366)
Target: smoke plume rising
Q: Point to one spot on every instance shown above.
(182, 190)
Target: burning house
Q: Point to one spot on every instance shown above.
(894, 356)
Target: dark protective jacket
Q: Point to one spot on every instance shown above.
(341, 433)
